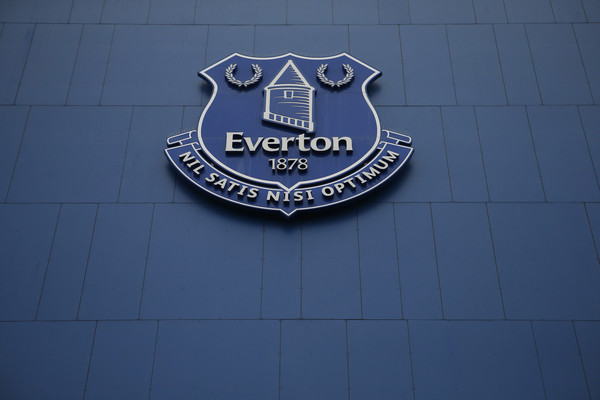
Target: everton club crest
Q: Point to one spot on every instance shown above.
(289, 133)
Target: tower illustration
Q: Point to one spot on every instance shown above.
(289, 99)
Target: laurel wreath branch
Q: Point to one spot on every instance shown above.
(326, 81)
(231, 79)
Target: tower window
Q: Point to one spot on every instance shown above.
(288, 94)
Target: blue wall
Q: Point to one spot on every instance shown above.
(473, 275)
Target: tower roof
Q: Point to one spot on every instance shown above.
(289, 75)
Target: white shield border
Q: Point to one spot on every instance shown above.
(376, 74)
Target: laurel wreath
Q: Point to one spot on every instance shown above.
(326, 81)
(231, 79)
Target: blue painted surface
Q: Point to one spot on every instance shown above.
(592, 10)
(465, 160)
(81, 167)
(171, 12)
(328, 123)
(331, 278)
(588, 333)
(568, 11)
(35, 11)
(355, 12)
(216, 283)
(394, 12)
(145, 65)
(380, 280)
(389, 89)
(309, 11)
(183, 191)
(63, 285)
(300, 39)
(12, 120)
(226, 39)
(475, 65)
(586, 36)
(191, 114)
(14, 45)
(281, 271)
(22, 274)
(144, 145)
(125, 11)
(121, 362)
(553, 235)
(427, 66)
(559, 163)
(474, 275)
(236, 12)
(417, 262)
(590, 119)
(468, 276)
(92, 58)
(442, 12)
(45, 359)
(509, 157)
(117, 262)
(489, 11)
(554, 62)
(517, 68)
(425, 178)
(49, 66)
(378, 359)
(314, 361)
(86, 11)
(216, 359)
(593, 214)
(474, 359)
(528, 11)
(560, 365)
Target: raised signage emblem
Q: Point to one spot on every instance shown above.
(298, 134)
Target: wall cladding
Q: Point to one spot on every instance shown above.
(473, 275)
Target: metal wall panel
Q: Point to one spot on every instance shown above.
(474, 274)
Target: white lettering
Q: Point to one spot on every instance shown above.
(314, 144)
(327, 191)
(212, 177)
(253, 146)
(273, 196)
(252, 193)
(198, 169)
(302, 139)
(269, 142)
(285, 141)
(309, 195)
(371, 174)
(236, 142)
(381, 167)
(346, 141)
(187, 157)
(391, 157)
(231, 139)
(233, 186)
(221, 183)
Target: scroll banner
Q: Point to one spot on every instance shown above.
(187, 156)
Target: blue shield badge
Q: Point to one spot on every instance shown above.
(289, 133)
